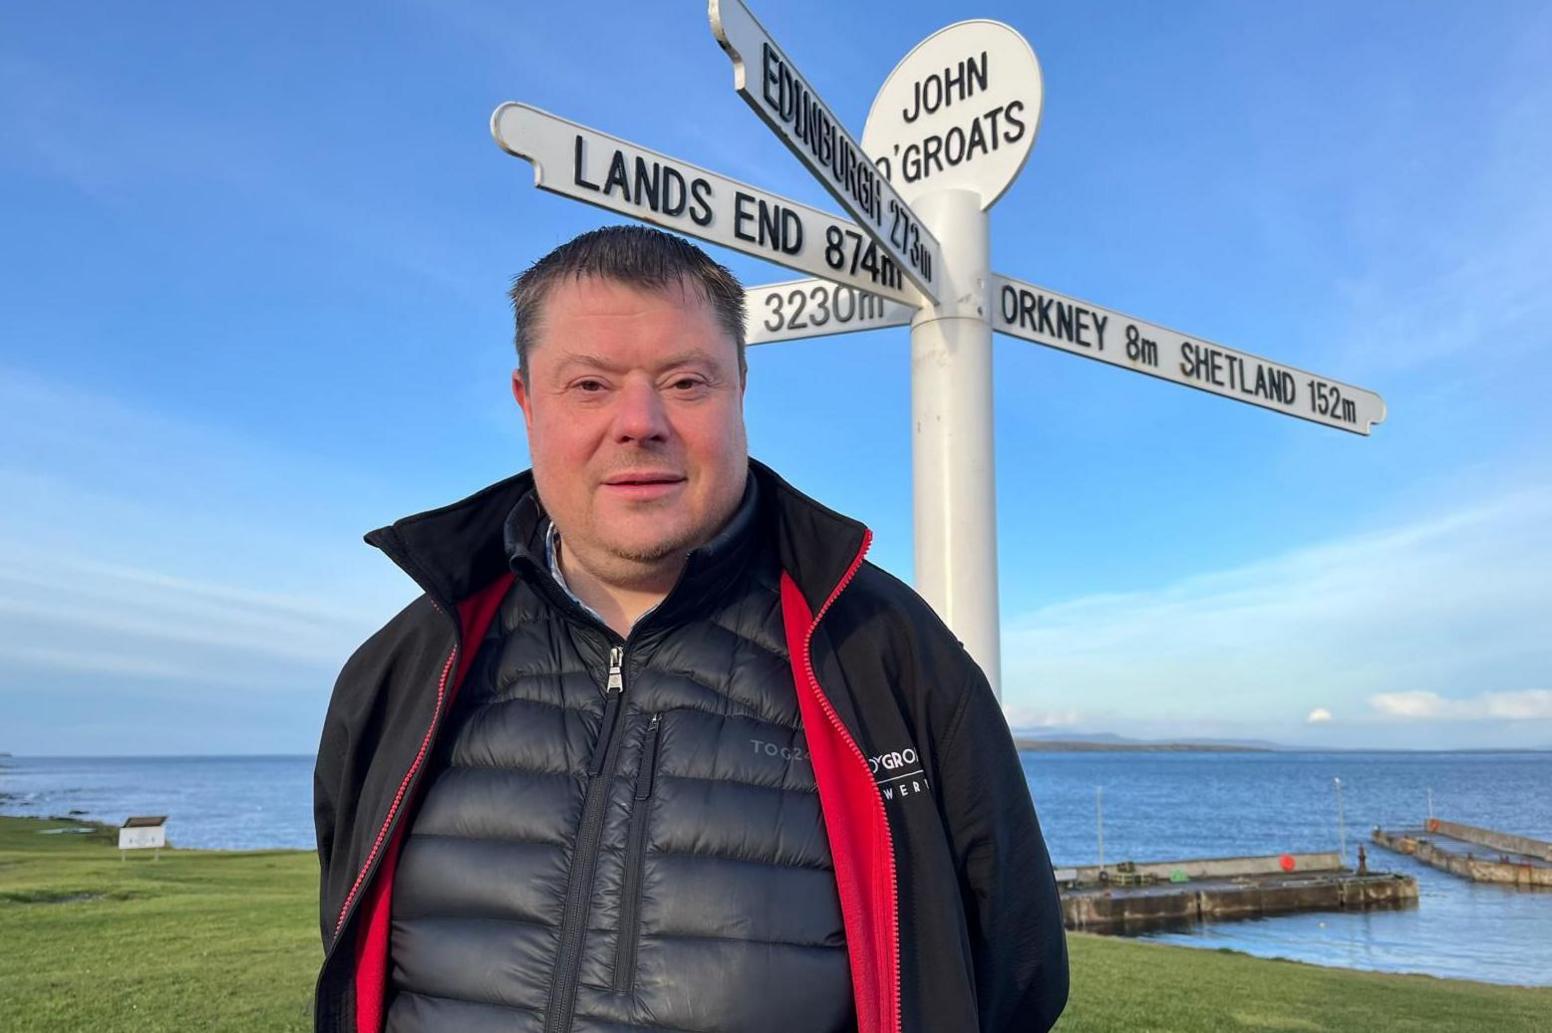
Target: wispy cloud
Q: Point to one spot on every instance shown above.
(147, 547)
(1471, 273)
(1034, 717)
(1444, 617)
(79, 615)
(1529, 705)
(168, 584)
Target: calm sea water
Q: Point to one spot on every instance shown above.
(212, 803)
(1164, 806)
(1156, 806)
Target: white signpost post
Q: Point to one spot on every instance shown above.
(952, 126)
(948, 132)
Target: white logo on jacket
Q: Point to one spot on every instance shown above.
(898, 773)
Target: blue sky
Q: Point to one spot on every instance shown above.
(253, 307)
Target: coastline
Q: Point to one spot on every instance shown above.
(1021, 742)
(228, 940)
(1156, 804)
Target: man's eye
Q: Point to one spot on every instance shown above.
(688, 383)
(590, 386)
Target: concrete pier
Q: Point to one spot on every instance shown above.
(1503, 841)
(1481, 855)
(1200, 868)
(1130, 897)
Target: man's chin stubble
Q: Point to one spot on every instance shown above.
(655, 553)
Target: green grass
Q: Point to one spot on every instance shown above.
(214, 941)
(197, 940)
(1151, 988)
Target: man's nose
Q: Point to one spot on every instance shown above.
(640, 415)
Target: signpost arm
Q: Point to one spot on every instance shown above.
(815, 308)
(952, 434)
(1036, 314)
(773, 88)
(596, 168)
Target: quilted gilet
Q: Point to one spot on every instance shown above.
(652, 856)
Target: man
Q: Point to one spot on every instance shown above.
(657, 749)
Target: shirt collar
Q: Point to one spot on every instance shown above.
(551, 538)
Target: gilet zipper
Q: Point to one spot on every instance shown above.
(635, 849)
(579, 889)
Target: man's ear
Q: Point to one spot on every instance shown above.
(524, 399)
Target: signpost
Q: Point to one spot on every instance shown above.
(950, 129)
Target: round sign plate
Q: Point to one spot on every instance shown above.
(959, 112)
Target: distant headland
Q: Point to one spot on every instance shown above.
(1041, 741)
(1103, 742)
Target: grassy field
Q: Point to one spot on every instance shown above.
(201, 941)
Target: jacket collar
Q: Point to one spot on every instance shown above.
(456, 550)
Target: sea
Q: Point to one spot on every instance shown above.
(1140, 806)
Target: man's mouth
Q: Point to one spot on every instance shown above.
(643, 478)
(645, 486)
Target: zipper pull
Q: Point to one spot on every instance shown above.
(614, 694)
(616, 679)
(648, 764)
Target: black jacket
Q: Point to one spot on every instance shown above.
(950, 909)
(623, 833)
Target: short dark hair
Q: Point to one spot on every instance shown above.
(639, 256)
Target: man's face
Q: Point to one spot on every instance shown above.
(634, 410)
